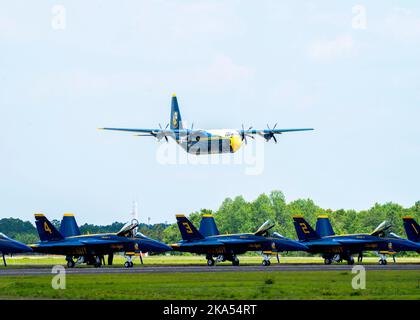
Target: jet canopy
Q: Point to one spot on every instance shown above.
(380, 230)
(264, 228)
(3, 236)
(128, 230)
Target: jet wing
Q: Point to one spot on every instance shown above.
(355, 241)
(57, 244)
(202, 243)
(91, 242)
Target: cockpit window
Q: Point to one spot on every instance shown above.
(140, 235)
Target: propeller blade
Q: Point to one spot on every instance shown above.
(278, 258)
(274, 137)
(166, 138)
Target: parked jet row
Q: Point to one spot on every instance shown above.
(91, 249)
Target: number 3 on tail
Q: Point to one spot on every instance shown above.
(187, 227)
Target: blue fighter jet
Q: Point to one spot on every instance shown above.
(208, 241)
(395, 243)
(199, 141)
(10, 246)
(91, 249)
(342, 247)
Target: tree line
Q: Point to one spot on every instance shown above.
(239, 215)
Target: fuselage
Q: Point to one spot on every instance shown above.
(100, 244)
(357, 243)
(210, 141)
(238, 244)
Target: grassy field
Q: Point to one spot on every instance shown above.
(47, 261)
(255, 285)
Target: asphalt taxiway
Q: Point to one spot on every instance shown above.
(144, 269)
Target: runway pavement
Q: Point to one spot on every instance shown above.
(10, 271)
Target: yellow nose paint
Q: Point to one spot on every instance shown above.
(235, 143)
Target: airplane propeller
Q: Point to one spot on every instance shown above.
(270, 134)
(244, 135)
(166, 138)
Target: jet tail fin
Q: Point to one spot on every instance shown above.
(323, 226)
(46, 230)
(69, 227)
(187, 229)
(412, 229)
(176, 119)
(208, 226)
(303, 229)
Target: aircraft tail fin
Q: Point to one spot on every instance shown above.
(323, 226)
(46, 230)
(412, 229)
(176, 119)
(208, 226)
(69, 227)
(303, 229)
(187, 229)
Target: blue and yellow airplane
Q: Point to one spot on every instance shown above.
(343, 247)
(91, 249)
(208, 241)
(412, 229)
(10, 246)
(197, 141)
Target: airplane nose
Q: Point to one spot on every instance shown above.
(161, 247)
(20, 247)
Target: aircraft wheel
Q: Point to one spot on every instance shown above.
(127, 264)
(266, 263)
(131, 264)
(71, 264)
(235, 262)
(210, 262)
(350, 261)
(327, 261)
(97, 265)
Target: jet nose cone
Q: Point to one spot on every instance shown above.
(20, 247)
(161, 247)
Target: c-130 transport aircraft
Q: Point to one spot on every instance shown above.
(199, 141)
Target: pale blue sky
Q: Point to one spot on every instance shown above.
(230, 62)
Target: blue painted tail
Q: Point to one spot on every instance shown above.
(303, 229)
(69, 227)
(323, 226)
(46, 230)
(187, 229)
(176, 119)
(412, 229)
(208, 226)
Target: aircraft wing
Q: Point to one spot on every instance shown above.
(91, 242)
(269, 133)
(272, 131)
(57, 244)
(202, 243)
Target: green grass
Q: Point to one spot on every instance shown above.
(252, 285)
(48, 260)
